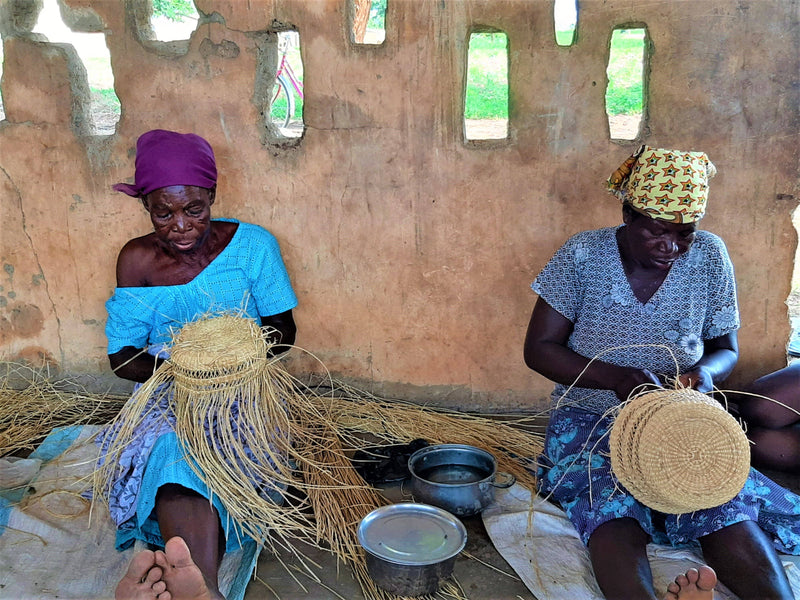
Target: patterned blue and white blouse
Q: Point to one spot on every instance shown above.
(585, 282)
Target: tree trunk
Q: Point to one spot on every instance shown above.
(360, 19)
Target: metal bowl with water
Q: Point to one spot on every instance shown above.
(459, 478)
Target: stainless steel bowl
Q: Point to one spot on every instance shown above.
(411, 548)
(459, 478)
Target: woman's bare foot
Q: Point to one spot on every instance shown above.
(143, 580)
(696, 584)
(184, 579)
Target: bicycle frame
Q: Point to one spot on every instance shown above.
(286, 68)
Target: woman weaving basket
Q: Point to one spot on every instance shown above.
(188, 267)
(624, 307)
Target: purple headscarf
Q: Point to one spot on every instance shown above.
(165, 158)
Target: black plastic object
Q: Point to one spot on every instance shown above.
(386, 464)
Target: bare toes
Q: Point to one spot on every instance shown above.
(673, 588)
(695, 584)
(140, 564)
(184, 579)
(683, 579)
(153, 576)
(706, 578)
(139, 580)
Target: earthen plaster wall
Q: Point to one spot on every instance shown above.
(411, 250)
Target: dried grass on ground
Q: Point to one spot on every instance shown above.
(32, 404)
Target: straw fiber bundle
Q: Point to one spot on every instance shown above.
(201, 386)
(32, 405)
(514, 446)
(678, 451)
(276, 431)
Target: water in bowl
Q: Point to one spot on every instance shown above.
(453, 474)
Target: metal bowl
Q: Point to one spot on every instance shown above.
(411, 548)
(459, 478)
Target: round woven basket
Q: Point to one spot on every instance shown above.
(623, 438)
(678, 451)
(217, 352)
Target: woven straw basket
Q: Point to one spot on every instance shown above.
(217, 352)
(678, 451)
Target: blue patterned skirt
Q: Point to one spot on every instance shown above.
(575, 472)
(155, 457)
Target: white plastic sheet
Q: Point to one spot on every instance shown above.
(50, 548)
(537, 539)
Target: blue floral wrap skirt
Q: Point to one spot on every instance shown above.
(575, 472)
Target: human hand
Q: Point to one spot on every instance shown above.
(699, 379)
(635, 380)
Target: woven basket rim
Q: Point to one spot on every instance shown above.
(649, 440)
(631, 421)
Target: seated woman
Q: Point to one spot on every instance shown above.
(630, 306)
(771, 408)
(188, 267)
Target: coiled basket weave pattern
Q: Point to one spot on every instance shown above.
(678, 451)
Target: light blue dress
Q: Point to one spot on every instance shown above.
(247, 276)
(586, 283)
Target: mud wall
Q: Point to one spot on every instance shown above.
(411, 249)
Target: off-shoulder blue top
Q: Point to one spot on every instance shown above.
(247, 276)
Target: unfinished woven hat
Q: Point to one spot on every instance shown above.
(678, 451)
(217, 351)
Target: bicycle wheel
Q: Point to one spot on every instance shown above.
(282, 109)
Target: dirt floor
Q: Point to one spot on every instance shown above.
(479, 570)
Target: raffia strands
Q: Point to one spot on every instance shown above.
(32, 405)
(678, 450)
(337, 523)
(220, 379)
(348, 414)
(325, 475)
(340, 498)
(269, 428)
(515, 448)
(221, 366)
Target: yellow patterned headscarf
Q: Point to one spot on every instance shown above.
(671, 185)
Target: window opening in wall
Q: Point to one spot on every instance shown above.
(96, 59)
(286, 107)
(625, 91)
(2, 110)
(173, 19)
(793, 302)
(565, 13)
(369, 21)
(486, 95)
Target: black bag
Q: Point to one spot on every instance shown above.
(386, 464)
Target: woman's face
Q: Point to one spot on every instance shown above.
(181, 216)
(656, 244)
